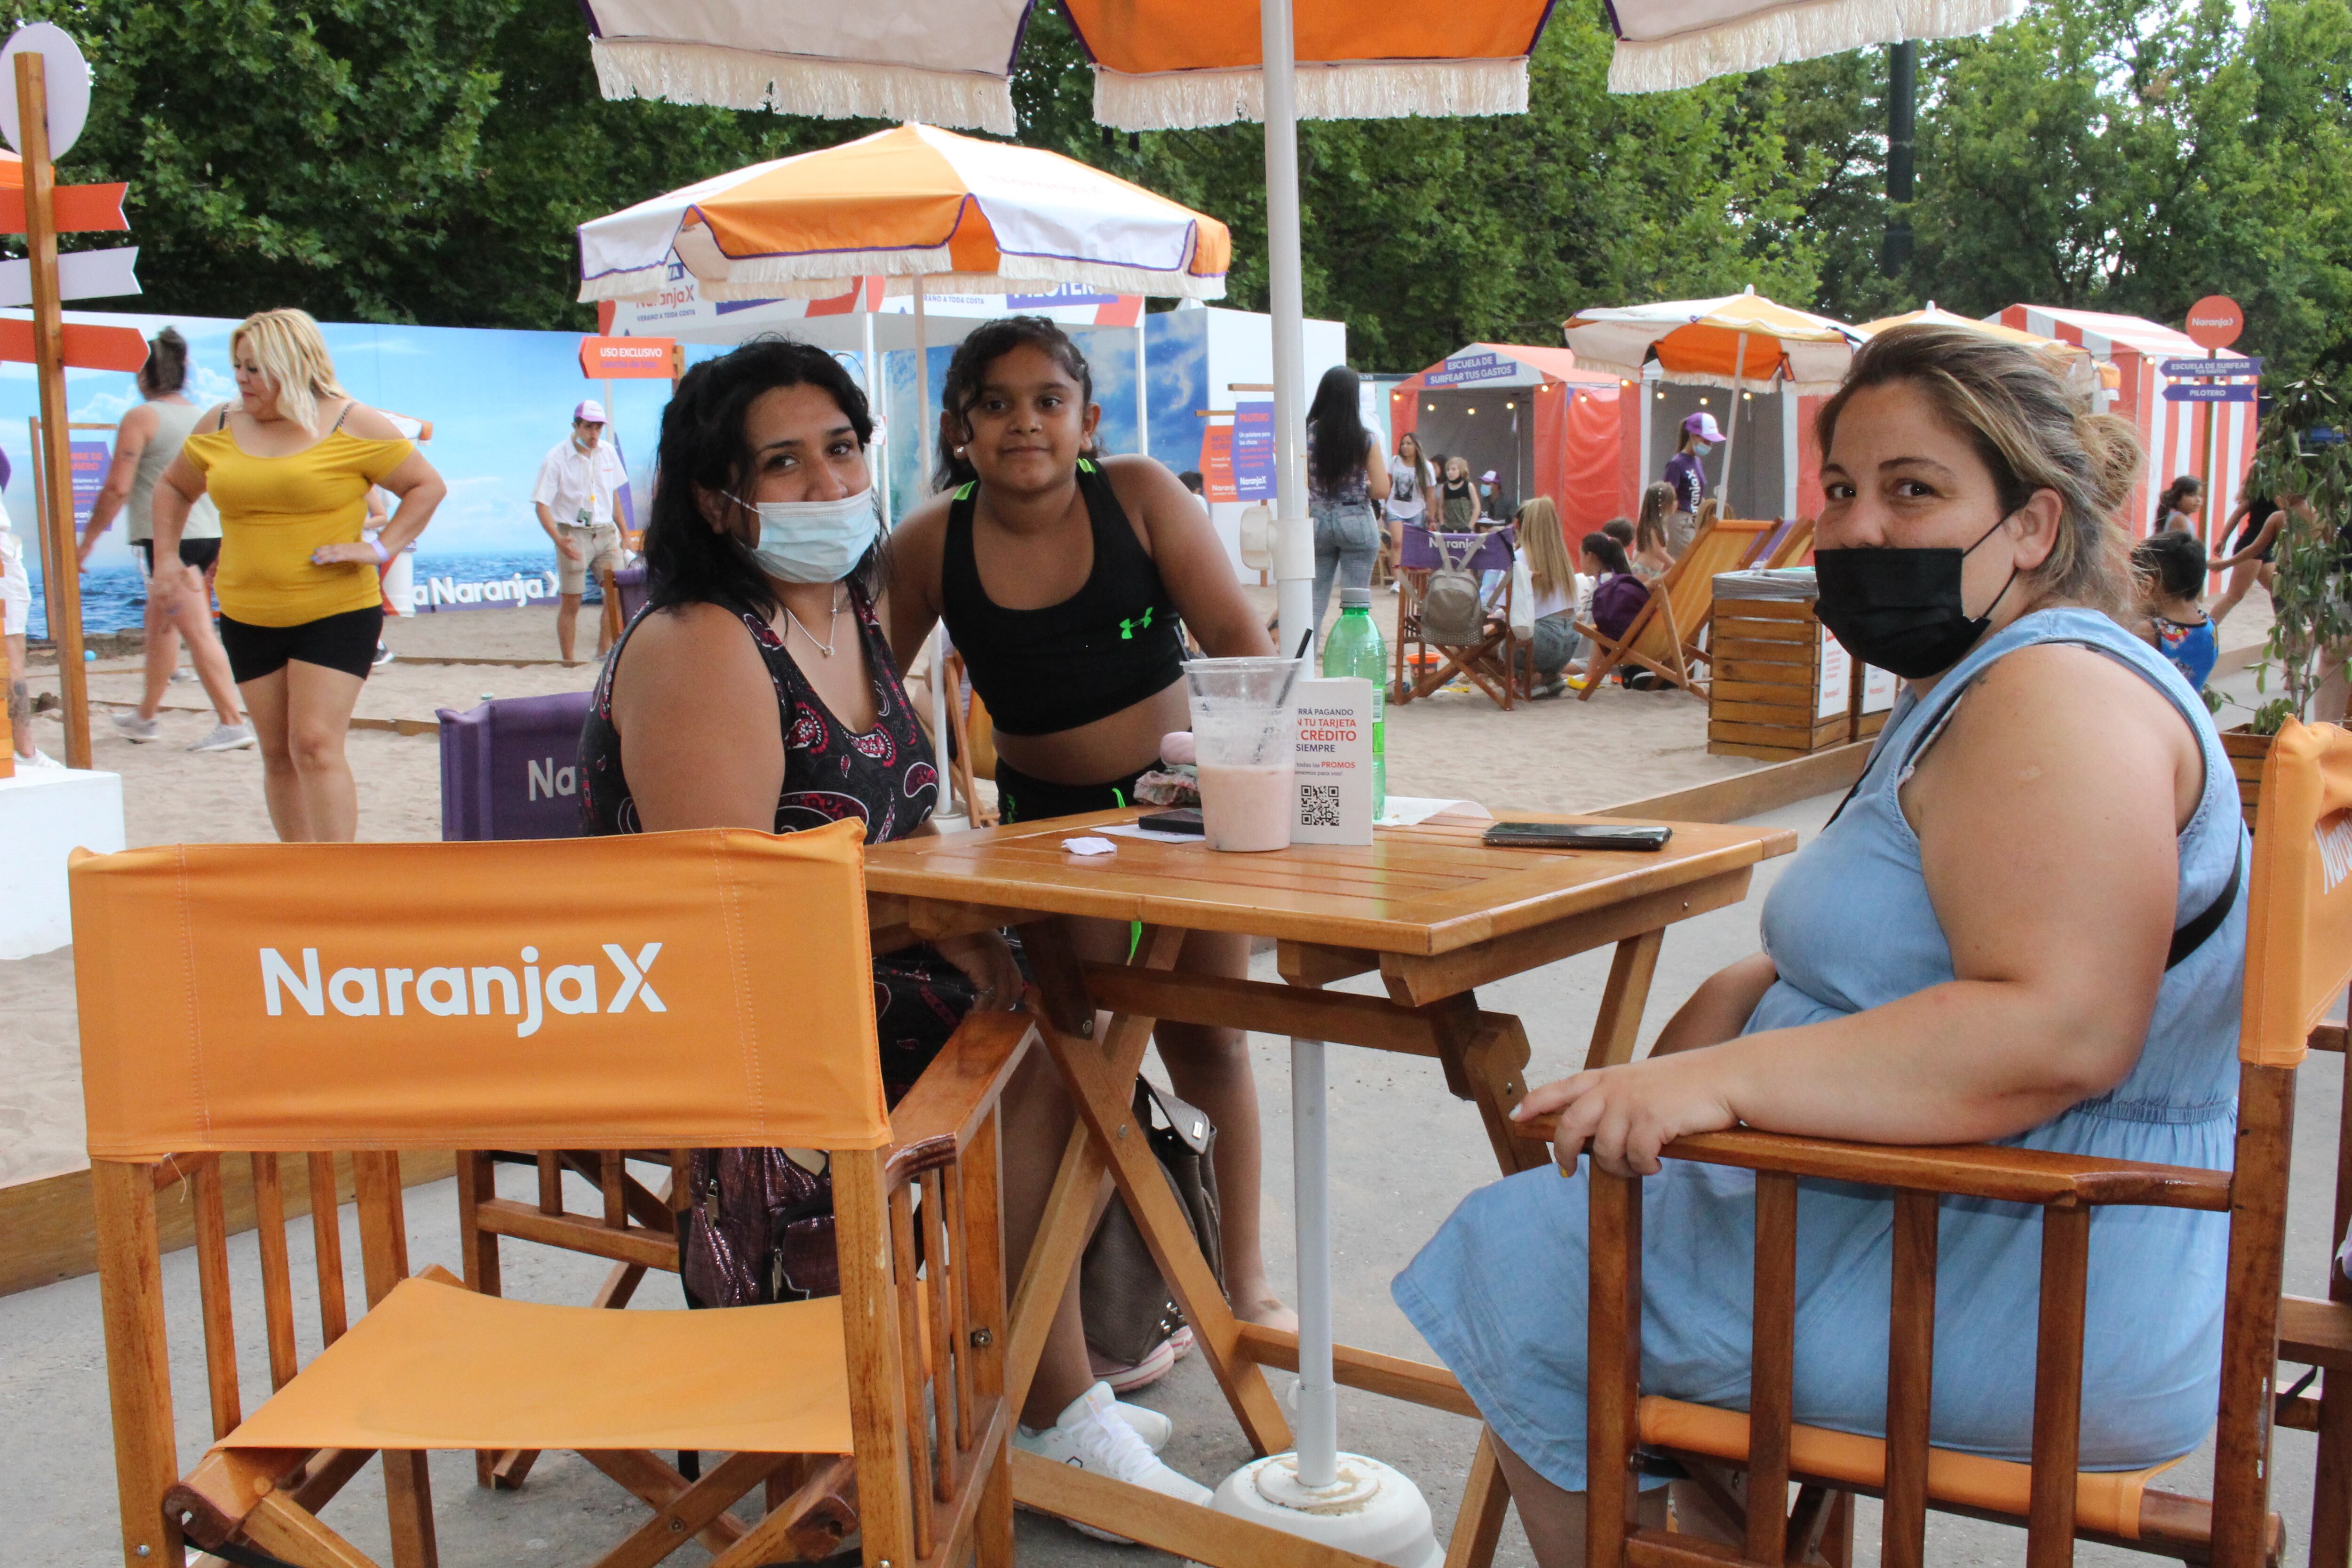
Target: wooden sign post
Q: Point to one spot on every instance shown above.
(64, 574)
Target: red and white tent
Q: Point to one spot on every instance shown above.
(1545, 427)
(2177, 435)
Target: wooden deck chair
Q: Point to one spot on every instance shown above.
(1793, 546)
(1759, 554)
(1490, 662)
(975, 740)
(2298, 960)
(1663, 637)
(665, 990)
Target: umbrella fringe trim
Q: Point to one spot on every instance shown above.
(682, 72)
(1352, 89)
(766, 279)
(1792, 32)
(1637, 373)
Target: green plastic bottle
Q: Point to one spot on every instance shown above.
(1354, 649)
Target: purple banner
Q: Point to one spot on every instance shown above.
(1253, 452)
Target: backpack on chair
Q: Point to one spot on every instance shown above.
(1451, 615)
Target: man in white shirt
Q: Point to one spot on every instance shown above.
(574, 498)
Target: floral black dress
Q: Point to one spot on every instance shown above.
(885, 778)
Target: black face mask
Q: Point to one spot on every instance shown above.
(1901, 609)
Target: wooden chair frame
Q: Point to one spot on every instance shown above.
(929, 1483)
(2317, 1333)
(1490, 664)
(2298, 959)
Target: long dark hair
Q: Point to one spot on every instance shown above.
(2182, 486)
(1334, 431)
(1609, 553)
(166, 370)
(968, 371)
(703, 446)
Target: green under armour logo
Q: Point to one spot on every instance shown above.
(1127, 629)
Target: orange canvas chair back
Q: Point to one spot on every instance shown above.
(2299, 920)
(700, 989)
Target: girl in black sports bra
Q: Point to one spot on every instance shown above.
(1063, 580)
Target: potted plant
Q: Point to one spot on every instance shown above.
(2300, 461)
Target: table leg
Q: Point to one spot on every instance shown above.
(1101, 1081)
(1618, 1028)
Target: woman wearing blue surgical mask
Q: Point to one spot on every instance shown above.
(1686, 474)
(2027, 924)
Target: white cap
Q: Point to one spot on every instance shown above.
(590, 412)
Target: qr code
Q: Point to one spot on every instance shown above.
(1318, 806)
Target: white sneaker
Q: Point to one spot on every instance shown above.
(384, 656)
(225, 738)
(183, 675)
(41, 759)
(1094, 1434)
(1154, 1429)
(132, 728)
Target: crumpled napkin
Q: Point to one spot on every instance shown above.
(1089, 846)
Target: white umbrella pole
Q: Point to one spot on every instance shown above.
(1294, 574)
(875, 404)
(1731, 433)
(923, 487)
(1142, 389)
(1293, 535)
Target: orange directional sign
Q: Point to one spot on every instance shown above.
(85, 347)
(80, 209)
(626, 359)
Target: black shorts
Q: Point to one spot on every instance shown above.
(1019, 798)
(345, 642)
(199, 554)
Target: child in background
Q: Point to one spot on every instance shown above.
(1649, 550)
(2171, 569)
(1618, 595)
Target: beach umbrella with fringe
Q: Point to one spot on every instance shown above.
(1743, 341)
(2082, 372)
(1667, 44)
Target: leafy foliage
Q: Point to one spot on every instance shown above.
(429, 162)
(2301, 459)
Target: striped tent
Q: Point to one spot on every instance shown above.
(2177, 435)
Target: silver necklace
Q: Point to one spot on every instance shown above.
(824, 648)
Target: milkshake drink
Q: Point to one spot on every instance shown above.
(1244, 734)
(1249, 807)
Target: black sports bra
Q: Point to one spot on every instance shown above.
(1105, 648)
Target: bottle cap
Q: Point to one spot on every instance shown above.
(1355, 598)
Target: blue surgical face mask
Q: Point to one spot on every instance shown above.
(814, 541)
(1701, 449)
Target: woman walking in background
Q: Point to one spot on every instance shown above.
(290, 465)
(2177, 511)
(2251, 563)
(1410, 478)
(1344, 477)
(1457, 498)
(1687, 477)
(145, 443)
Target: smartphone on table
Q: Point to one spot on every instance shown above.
(1637, 837)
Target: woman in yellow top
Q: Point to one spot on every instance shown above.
(290, 465)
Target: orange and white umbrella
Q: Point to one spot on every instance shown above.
(1666, 44)
(959, 215)
(1158, 63)
(2082, 372)
(1741, 341)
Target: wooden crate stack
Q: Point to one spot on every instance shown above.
(1771, 683)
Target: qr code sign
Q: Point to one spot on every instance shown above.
(1318, 806)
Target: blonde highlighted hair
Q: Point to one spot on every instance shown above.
(2032, 432)
(293, 357)
(1549, 567)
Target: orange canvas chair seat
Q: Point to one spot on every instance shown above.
(2106, 1501)
(681, 990)
(435, 1365)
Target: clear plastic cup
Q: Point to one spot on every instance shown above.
(1246, 731)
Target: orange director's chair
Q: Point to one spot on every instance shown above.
(665, 991)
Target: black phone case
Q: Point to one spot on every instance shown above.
(1572, 835)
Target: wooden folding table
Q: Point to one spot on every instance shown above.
(1431, 910)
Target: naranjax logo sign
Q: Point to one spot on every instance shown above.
(445, 992)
